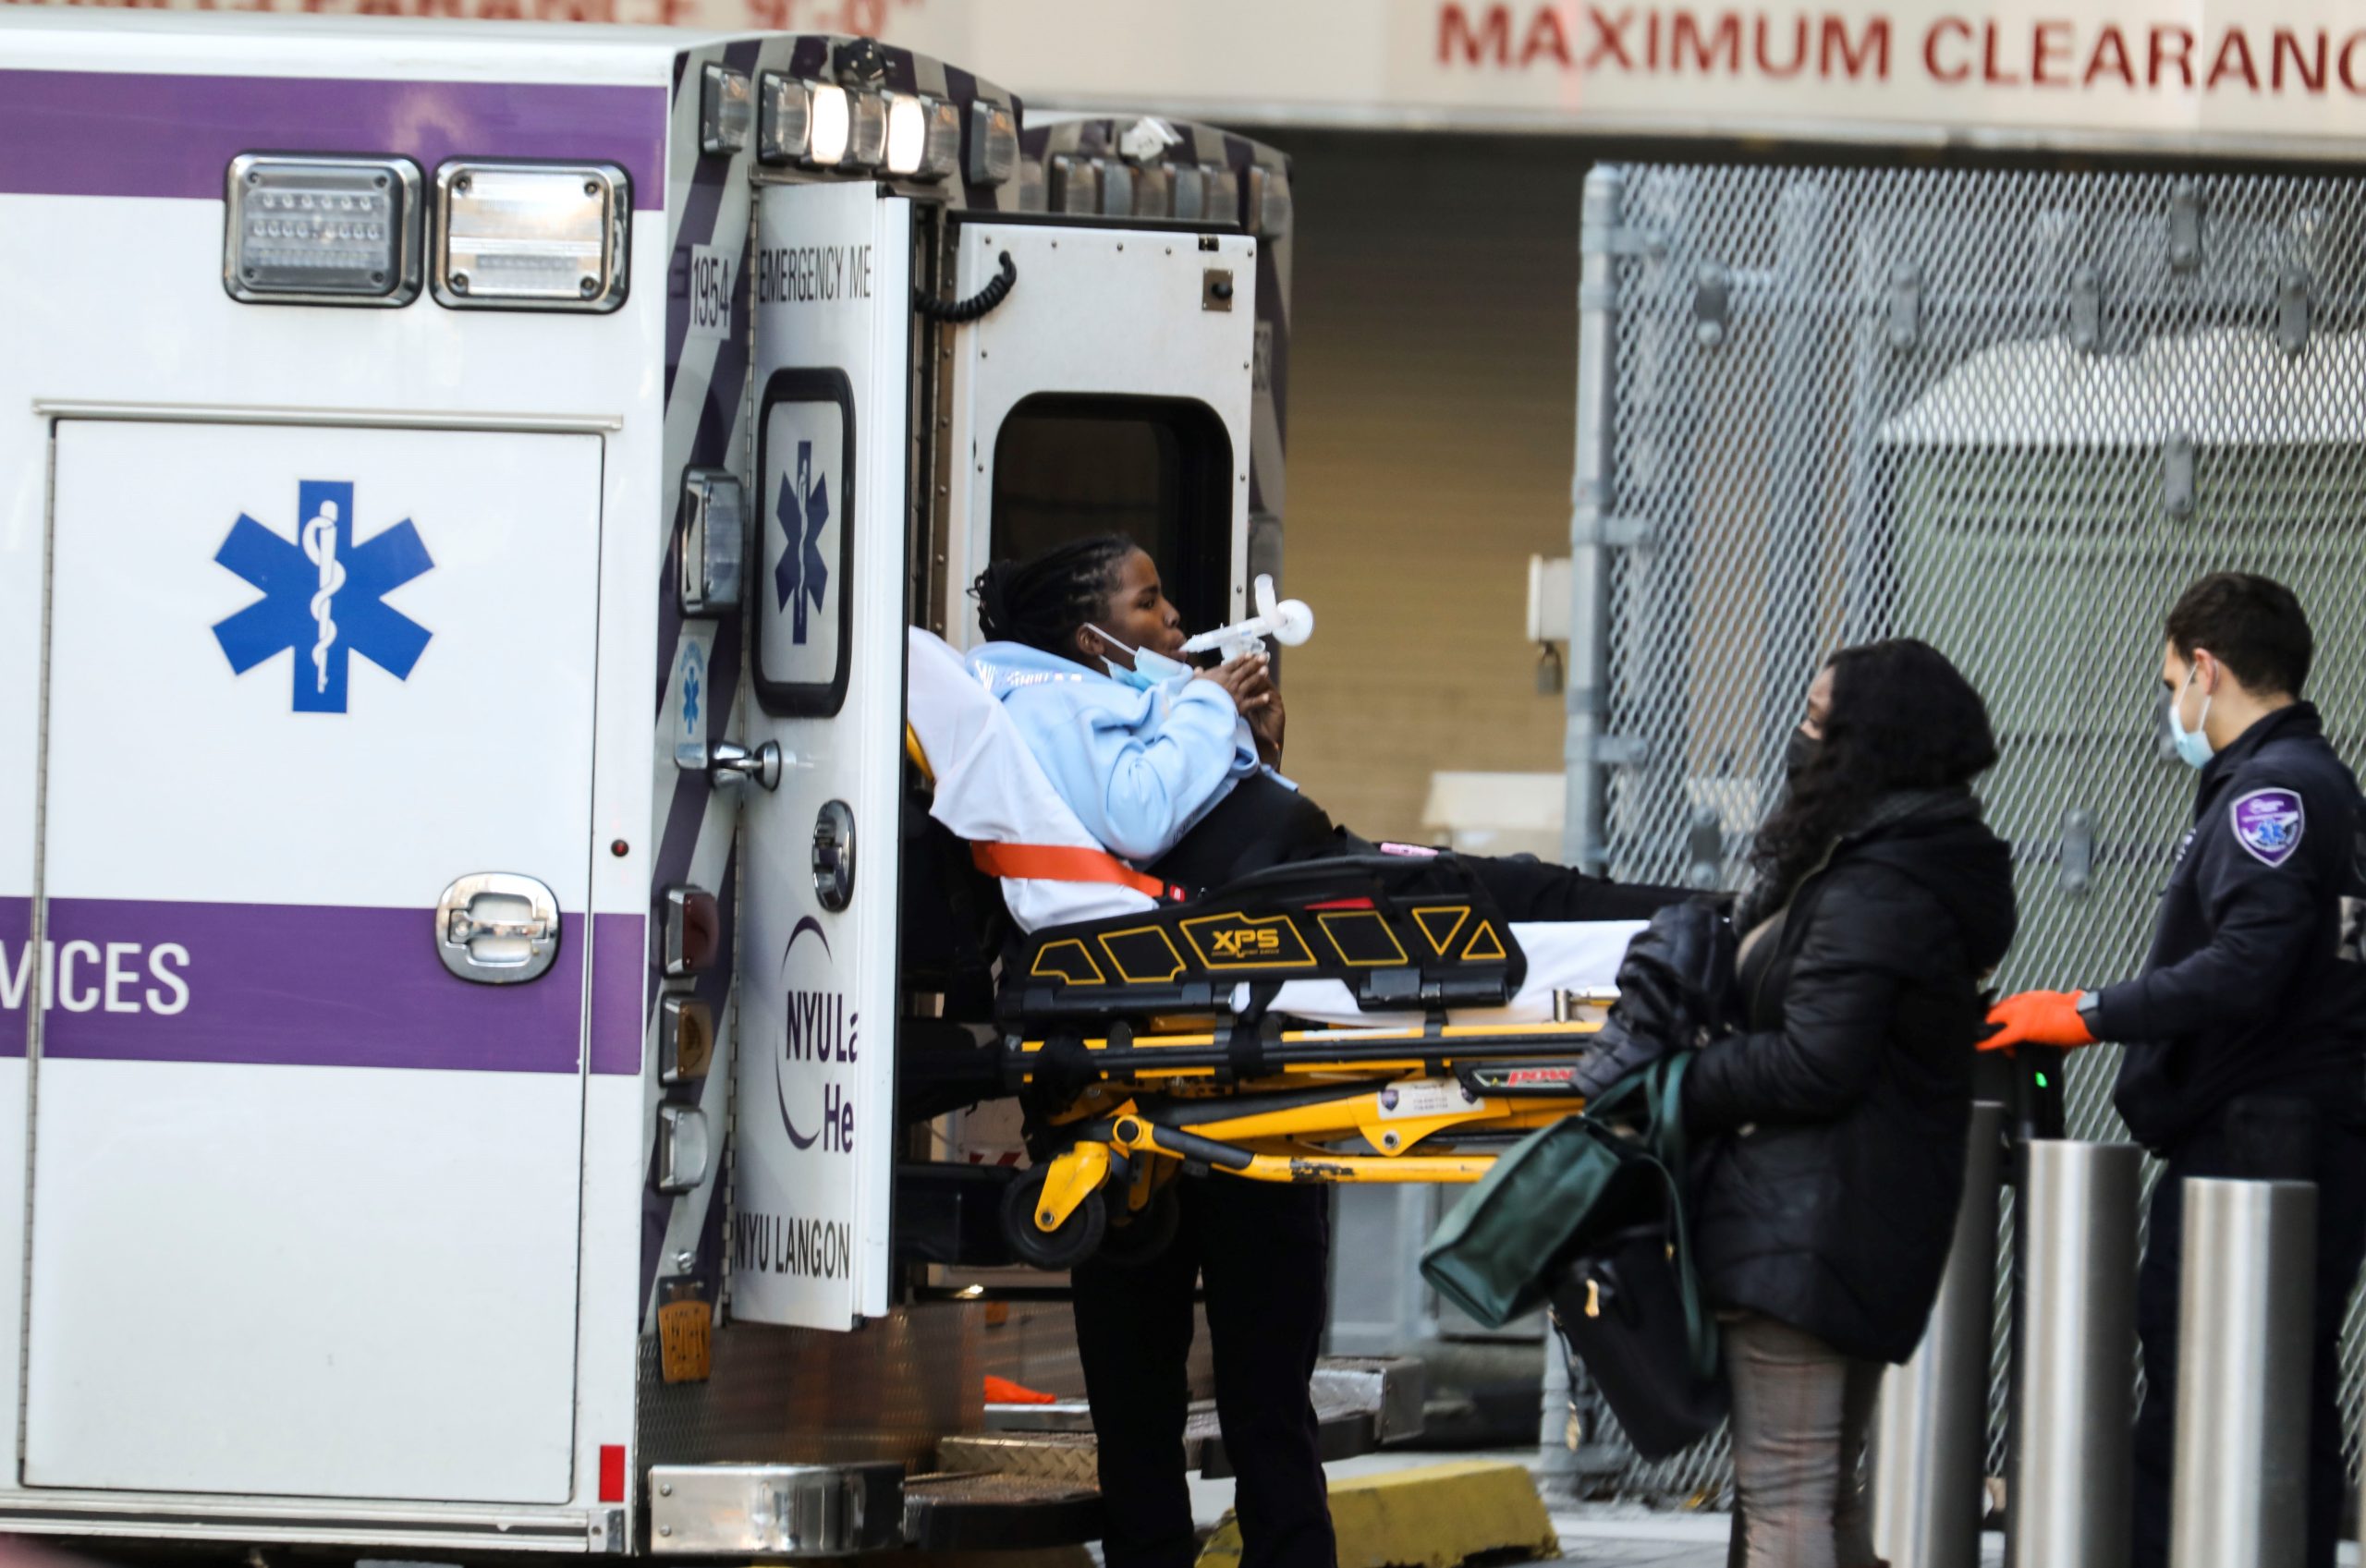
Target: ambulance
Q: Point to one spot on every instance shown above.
(466, 492)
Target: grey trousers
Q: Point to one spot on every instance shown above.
(1800, 1410)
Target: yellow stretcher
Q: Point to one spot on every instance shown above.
(1152, 1045)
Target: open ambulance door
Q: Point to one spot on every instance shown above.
(814, 1130)
(1110, 392)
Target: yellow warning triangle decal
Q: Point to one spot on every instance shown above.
(1484, 944)
(1432, 920)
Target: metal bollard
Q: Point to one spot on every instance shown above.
(2245, 1304)
(2073, 1464)
(1930, 1447)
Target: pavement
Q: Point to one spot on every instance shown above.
(1615, 1535)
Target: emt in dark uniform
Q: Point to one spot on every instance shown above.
(2246, 1031)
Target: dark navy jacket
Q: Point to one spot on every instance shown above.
(2255, 981)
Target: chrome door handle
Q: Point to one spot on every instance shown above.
(497, 928)
(465, 928)
(729, 763)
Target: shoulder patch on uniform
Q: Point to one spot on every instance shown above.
(2268, 823)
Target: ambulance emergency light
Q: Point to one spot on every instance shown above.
(784, 119)
(1269, 202)
(713, 560)
(531, 237)
(923, 137)
(318, 231)
(994, 142)
(726, 110)
(822, 125)
(866, 129)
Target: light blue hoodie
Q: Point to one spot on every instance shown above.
(1139, 767)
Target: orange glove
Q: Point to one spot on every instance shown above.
(2037, 1017)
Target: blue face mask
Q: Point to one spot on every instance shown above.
(2193, 745)
(1151, 670)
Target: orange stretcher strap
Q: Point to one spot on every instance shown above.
(1066, 863)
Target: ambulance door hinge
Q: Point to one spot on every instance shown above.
(1622, 241)
(1590, 526)
(2086, 309)
(2292, 308)
(1903, 306)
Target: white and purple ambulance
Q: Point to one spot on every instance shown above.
(464, 491)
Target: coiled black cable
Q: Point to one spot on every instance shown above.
(962, 311)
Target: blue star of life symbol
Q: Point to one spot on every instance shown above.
(324, 596)
(803, 509)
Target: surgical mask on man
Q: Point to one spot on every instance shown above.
(1151, 670)
(2192, 745)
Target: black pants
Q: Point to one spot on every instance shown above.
(1263, 823)
(1263, 1253)
(2258, 1137)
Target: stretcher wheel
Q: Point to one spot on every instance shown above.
(1146, 1233)
(1077, 1239)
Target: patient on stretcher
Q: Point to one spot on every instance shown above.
(1175, 769)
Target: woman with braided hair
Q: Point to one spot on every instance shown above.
(1174, 769)
(1077, 640)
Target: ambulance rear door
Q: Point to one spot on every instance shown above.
(815, 1132)
(1111, 390)
(309, 1084)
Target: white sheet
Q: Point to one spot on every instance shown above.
(1562, 955)
(989, 788)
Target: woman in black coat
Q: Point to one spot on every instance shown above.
(1834, 1123)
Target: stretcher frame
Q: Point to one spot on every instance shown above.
(1140, 1071)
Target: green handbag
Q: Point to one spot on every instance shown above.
(1497, 1252)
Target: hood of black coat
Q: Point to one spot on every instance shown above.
(1966, 868)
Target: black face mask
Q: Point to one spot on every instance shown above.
(1799, 750)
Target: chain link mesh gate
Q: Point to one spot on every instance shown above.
(2013, 413)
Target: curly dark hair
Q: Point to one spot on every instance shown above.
(2254, 624)
(1043, 601)
(1901, 718)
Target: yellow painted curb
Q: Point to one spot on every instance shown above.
(1431, 1517)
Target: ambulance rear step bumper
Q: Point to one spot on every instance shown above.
(771, 1511)
(1028, 1483)
(774, 1510)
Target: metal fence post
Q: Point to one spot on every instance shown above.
(1584, 841)
(1557, 1457)
(2244, 1326)
(2073, 1393)
(1931, 1434)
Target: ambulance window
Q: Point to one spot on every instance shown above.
(1157, 469)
